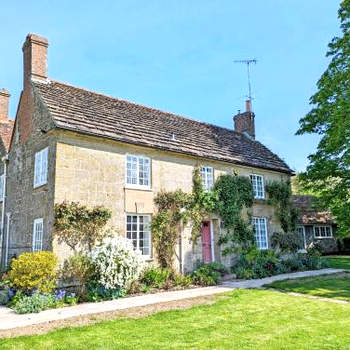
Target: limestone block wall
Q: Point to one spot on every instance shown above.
(92, 171)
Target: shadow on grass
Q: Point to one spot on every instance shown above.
(326, 286)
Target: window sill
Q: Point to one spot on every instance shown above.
(138, 188)
(331, 237)
(39, 186)
(260, 200)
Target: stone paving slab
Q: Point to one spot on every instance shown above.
(10, 320)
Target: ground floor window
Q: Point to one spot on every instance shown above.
(139, 231)
(38, 235)
(260, 232)
(323, 231)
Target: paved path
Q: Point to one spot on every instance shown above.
(10, 320)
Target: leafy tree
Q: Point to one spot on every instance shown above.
(328, 173)
(79, 227)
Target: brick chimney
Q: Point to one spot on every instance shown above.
(34, 59)
(4, 104)
(244, 122)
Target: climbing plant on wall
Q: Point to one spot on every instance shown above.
(166, 225)
(280, 196)
(234, 194)
(80, 227)
(200, 203)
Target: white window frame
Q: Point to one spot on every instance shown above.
(207, 182)
(2, 187)
(37, 244)
(258, 241)
(254, 181)
(302, 227)
(137, 185)
(41, 167)
(146, 256)
(323, 226)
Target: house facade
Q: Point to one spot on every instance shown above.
(315, 225)
(71, 144)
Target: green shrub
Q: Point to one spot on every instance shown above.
(207, 275)
(97, 292)
(181, 280)
(25, 304)
(260, 264)
(286, 242)
(256, 264)
(77, 269)
(156, 277)
(34, 271)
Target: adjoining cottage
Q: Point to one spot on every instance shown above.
(72, 144)
(315, 225)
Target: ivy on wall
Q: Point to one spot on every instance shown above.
(280, 196)
(234, 194)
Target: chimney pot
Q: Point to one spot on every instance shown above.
(248, 105)
(34, 58)
(4, 104)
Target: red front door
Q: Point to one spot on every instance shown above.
(206, 242)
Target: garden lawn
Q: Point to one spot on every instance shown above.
(244, 319)
(327, 286)
(338, 262)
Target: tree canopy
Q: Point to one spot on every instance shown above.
(328, 173)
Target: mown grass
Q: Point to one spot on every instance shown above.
(327, 286)
(242, 319)
(338, 262)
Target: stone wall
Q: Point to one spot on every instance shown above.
(92, 171)
(24, 203)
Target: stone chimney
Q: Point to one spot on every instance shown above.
(4, 104)
(34, 59)
(244, 122)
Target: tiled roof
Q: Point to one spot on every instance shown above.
(6, 127)
(308, 213)
(100, 115)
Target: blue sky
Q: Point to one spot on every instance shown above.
(178, 56)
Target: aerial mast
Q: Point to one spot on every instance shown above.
(248, 63)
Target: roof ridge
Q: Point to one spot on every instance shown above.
(148, 107)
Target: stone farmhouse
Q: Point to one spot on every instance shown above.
(72, 144)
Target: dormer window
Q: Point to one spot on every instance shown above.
(258, 186)
(207, 173)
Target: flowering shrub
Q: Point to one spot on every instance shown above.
(116, 263)
(34, 271)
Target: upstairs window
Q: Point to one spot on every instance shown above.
(138, 171)
(323, 231)
(260, 232)
(2, 187)
(207, 173)
(258, 186)
(38, 235)
(40, 168)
